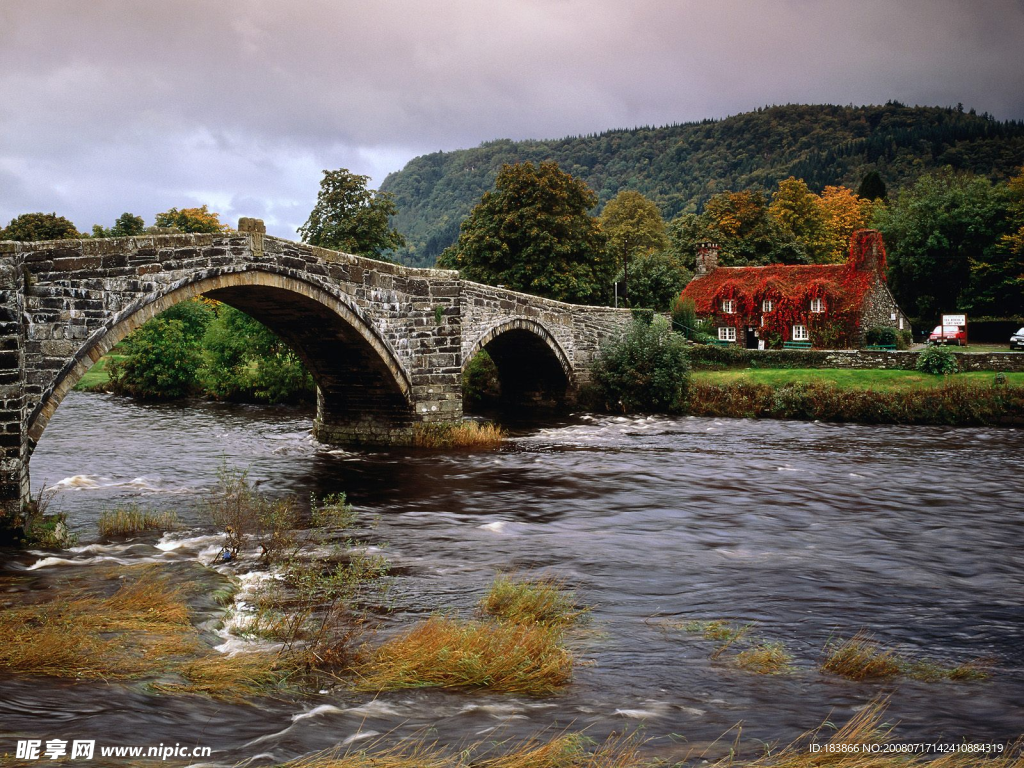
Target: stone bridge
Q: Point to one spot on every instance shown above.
(386, 344)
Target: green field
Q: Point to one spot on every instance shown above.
(96, 378)
(884, 380)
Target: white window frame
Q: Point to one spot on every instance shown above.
(800, 333)
(767, 305)
(729, 306)
(817, 306)
(726, 333)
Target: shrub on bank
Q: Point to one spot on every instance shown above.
(952, 404)
(937, 360)
(644, 370)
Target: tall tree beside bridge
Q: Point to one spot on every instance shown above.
(351, 218)
(533, 233)
(31, 227)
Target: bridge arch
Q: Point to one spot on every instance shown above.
(533, 368)
(358, 374)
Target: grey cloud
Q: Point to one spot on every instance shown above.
(107, 106)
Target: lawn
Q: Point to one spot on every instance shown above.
(96, 378)
(853, 379)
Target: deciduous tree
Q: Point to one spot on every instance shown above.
(634, 227)
(533, 233)
(39, 226)
(127, 225)
(351, 218)
(192, 220)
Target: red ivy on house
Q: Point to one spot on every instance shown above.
(842, 289)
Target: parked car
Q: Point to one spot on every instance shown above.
(1017, 340)
(949, 334)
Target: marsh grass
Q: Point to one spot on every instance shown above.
(131, 520)
(533, 601)
(567, 750)
(128, 634)
(862, 658)
(231, 678)
(765, 658)
(445, 652)
(143, 630)
(464, 435)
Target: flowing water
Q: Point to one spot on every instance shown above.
(810, 530)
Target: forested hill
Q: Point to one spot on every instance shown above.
(681, 166)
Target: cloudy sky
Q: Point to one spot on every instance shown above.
(109, 106)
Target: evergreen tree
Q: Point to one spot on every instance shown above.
(872, 187)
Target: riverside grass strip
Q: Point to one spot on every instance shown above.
(862, 658)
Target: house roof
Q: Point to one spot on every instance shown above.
(843, 287)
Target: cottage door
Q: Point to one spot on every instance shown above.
(751, 338)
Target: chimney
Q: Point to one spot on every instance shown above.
(707, 258)
(867, 251)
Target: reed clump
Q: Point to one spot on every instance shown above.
(765, 658)
(128, 634)
(131, 520)
(533, 601)
(445, 652)
(567, 750)
(231, 678)
(464, 435)
(862, 658)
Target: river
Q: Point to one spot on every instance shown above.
(811, 530)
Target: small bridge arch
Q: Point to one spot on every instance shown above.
(533, 368)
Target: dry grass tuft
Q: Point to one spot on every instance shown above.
(569, 750)
(863, 729)
(532, 601)
(468, 435)
(231, 678)
(130, 520)
(448, 653)
(85, 636)
(861, 658)
(765, 658)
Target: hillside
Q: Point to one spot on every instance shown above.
(681, 166)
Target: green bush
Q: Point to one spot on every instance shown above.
(881, 334)
(937, 360)
(244, 360)
(644, 370)
(684, 319)
(161, 361)
(641, 315)
(904, 339)
(480, 384)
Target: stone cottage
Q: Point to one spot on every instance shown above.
(829, 305)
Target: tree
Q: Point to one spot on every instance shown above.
(799, 211)
(201, 220)
(872, 187)
(39, 226)
(844, 213)
(533, 233)
(127, 225)
(997, 278)
(739, 222)
(351, 218)
(656, 279)
(937, 233)
(634, 227)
